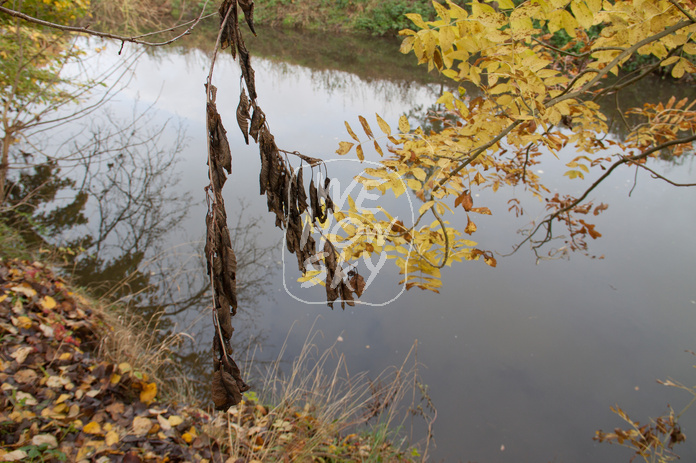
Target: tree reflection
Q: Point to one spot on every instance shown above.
(110, 210)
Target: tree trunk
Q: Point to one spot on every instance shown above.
(4, 163)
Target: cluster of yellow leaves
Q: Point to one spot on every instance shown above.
(534, 98)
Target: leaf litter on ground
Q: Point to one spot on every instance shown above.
(61, 402)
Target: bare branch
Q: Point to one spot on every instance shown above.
(624, 160)
(106, 35)
(671, 182)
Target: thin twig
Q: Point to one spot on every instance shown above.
(604, 71)
(671, 182)
(624, 160)
(106, 35)
(680, 8)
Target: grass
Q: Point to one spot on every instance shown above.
(320, 412)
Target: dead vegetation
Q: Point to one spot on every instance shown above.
(61, 400)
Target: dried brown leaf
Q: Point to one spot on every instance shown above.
(243, 115)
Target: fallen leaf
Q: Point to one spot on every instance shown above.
(141, 426)
(46, 330)
(26, 398)
(147, 395)
(112, 438)
(17, 455)
(24, 289)
(164, 423)
(45, 439)
(20, 355)
(55, 382)
(22, 322)
(25, 376)
(124, 368)
(47, 303)
(131, 457)
(92, 428)
(175, 420)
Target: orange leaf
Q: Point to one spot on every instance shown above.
(481, 210)
(465, 199)
(470, 226)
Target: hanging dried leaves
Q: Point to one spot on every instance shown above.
(229, 37)
(222, 265)
(243, 115)
(248, 9)
(285, 197)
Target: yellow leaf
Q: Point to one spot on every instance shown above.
(384, 127)
(417, 20)
(378, 148)
(188, 438)
(124, 368)
(414, 184)
(115, 378)
(670, 60)
(92, 428)
(679, 69)
(404, 126)
(419, 174)
(350, 132)
(147, 395)
(366, 127)
(505, 4)
(22, 322)
(175, 420)
(343, 147)
(426, 206)
(582, 13)
(62, 398)
(359, 152)
(112, 438)
(47, 303)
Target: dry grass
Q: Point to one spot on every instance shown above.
(321, 412)
(131, 16)
(147, 349)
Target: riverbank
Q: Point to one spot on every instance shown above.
(72, 392)
(375, 17)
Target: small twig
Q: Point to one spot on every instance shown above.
(671, 182)
(680, 8)
(476, 153)
(635, 182)
(106, 35)
(526, 161)
(313, 162)
(624, 160)
(604, 71)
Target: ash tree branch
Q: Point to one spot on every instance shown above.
(624, 160)
(661, 177)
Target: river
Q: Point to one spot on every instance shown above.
(522, 361)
